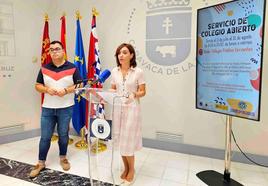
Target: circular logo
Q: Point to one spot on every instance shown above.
(100, 128)
(242, 105)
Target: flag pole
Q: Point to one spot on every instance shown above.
(54, 137)
(78, 16)
(46, 16)
(63, 41)
(95, 12)
(99, 145)
(82, 144)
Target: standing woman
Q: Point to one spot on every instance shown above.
(128, 80)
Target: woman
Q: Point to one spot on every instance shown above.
(128, 80)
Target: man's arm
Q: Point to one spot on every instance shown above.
(71, 88)
(44, 89)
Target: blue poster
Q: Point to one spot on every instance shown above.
(229, 58)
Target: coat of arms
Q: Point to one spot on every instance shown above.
(168, 31)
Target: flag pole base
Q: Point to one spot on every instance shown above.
(54, 138)
(81, 145)
(101, 147)
(71, 141)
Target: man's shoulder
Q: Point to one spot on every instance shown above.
(51, 67)
(70, 64)
(47, 65)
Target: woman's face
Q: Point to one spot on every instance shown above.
(124, 56)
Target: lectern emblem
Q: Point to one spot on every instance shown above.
(100, 128)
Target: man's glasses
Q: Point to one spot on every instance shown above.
(58, 49)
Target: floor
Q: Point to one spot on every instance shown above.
(153, 167)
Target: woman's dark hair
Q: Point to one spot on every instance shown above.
(131, 50)
(54, 42)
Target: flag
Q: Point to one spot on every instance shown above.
(63, 34)
(94, 66)
(79, 116)
(93, 54)
(45, 56)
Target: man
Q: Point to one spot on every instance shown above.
(57, 80)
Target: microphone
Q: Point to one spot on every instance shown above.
(102, 77)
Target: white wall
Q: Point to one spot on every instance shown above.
(19, 103)
(169, 105)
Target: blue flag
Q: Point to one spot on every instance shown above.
(79, 112)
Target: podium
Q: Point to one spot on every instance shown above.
(104, 107)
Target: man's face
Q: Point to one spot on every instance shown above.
(56, 52)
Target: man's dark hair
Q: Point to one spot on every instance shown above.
(54, 42)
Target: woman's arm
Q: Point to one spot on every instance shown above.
(140, 92)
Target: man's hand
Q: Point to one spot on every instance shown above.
(52, 91)
(61, 92)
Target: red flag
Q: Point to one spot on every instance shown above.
(93, 61)
(94, 66)
(91, 52)
(45, 57)
(63, 34)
